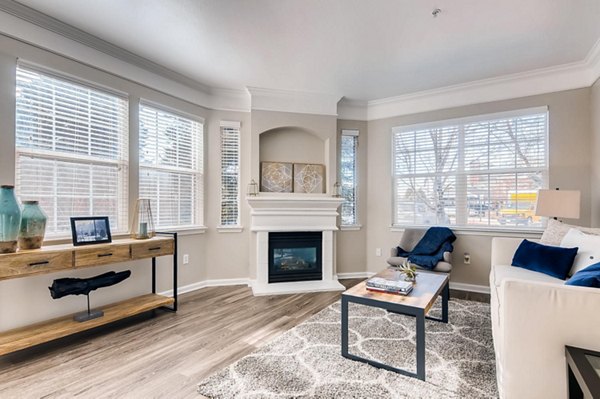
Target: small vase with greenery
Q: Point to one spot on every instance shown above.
(408, 271)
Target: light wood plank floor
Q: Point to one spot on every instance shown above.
(161, 357)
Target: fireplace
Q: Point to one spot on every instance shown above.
(295, 256)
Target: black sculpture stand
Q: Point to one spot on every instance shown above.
(90, 314)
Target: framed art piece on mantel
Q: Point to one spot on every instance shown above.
(276, 177)
(309, 178)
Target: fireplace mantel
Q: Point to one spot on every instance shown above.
(294, 212)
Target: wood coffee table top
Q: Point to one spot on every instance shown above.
(425, 290)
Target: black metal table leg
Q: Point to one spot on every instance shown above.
(419, 315)
(344, 326)
(421, 345)
(445, 298)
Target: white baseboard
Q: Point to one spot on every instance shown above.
(207, 283)
(343, 276)
(482, 289)
(245, 281)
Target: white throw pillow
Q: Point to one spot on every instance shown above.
(589, 248)
(556, 230)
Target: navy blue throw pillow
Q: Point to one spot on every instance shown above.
(553, 261)
(588, 277)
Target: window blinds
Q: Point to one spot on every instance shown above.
(230, 174)
(482, 171)
(348, 172)
(71, 149)
(171, 166)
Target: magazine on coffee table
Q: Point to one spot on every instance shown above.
(380, 284)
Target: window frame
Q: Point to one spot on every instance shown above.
(461, 121)
(355, 133)
(237, 226)
(123, 163)
(200, 205)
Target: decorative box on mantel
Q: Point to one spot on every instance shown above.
(294, 213)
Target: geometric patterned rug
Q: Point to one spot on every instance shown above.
(306, 361)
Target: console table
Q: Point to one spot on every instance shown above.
(68, 257)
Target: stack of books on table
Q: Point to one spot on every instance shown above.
(379, 284)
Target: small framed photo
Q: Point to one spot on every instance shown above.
(90, 230)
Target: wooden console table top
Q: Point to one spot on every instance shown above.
(53, 258)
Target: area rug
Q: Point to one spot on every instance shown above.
(305, 362)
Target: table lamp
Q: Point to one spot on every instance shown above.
(558, 203)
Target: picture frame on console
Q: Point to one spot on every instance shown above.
(89, 230)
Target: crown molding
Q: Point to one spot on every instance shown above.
(70, 32)
(294, 101)
(51, 34)
(353, 109)
(540, 81)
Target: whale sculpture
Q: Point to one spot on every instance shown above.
(83, 286)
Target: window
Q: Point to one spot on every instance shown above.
(71, 149)
(230, 173)
(348, 173)
(480, 171)
(171, 167)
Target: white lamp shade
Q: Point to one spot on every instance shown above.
(558, 203)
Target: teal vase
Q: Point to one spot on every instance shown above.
(33, 226)
(10, 219)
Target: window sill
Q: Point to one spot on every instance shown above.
(480, 231)
(230, 229)
(354, 227)
(184, 231)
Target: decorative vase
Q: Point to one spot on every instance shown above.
(10, 219)
(33, 226)
(143, 222)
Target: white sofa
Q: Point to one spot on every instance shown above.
(533, 317)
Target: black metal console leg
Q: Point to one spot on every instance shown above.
(175, 299)
(153, 275)
(175, 272)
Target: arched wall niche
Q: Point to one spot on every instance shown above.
(292, 144)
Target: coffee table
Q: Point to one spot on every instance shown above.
(427, 288)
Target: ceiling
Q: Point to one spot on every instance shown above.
(360, 49)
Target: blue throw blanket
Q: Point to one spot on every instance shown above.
(430, 250)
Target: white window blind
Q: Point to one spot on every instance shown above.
(230, 174)
(481, 171)
(171, 167)
(71, 149)
(348, 171)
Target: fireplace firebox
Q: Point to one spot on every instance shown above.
(295, 256)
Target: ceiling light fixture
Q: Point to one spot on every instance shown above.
(436, 12)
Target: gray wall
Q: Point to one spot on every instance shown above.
(570, 155)
(595, 178)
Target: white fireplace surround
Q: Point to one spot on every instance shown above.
(294, 212)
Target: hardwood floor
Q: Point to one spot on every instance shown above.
(161, 357)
